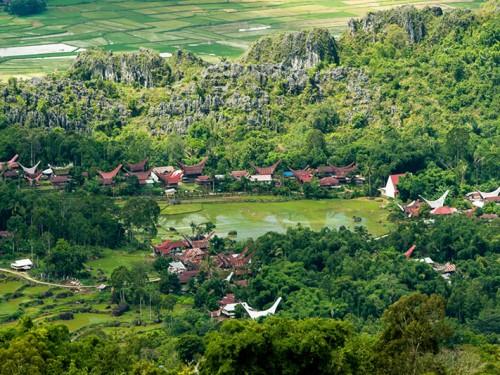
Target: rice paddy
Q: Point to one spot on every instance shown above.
(253, 219)
(215, 28)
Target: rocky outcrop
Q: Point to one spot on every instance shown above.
(297, 50)
(144, 68)
(409, 18)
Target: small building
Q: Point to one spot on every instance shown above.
(31, 172)
(203, 180)
(391, 187)
(59, 181)
(267, 170)
(190, 172)
(143, 177)
(444, 210)
(22, 265)
(413, 209)
(262, 178)
(163, 170)
(137, 167)
(170, 179)
(60, 171)
(107, 178)
(168, 247)
(193, 256)
(176, 267)
(238, 175)
(329, 182)
(340, 173)
(186, 276)
(303, 176)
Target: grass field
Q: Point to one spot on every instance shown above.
(112, 259)
(210, 28)
(255, 219)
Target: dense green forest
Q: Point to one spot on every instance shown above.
(403, 90)
(379, 96)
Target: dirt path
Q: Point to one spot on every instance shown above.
(25, 276)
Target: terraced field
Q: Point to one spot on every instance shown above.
(211, 28)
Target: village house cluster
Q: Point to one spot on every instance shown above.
(477, 198)
(188, 255)
(328, 176)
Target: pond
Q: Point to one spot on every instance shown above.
(251, 220)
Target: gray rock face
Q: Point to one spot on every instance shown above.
(144, 68)
(297, 50)
(410, 19)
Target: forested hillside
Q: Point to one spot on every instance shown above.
(403, 90)
(111, 291)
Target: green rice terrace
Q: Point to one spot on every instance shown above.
(40, 44)
(77, 310)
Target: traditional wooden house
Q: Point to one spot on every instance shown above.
(266, 171)
(340, 173)
(203, 180)
(59, 181)
(31, 171)
(139, 171)
(143, 177)
(329, 182)
(238, 175)
(479, 198)
(233, 261)
(303, 176)
(107, 178)
(169, 247)
(191, 172)
(137, 167)
(170, 179)
(60, 171)
(9, 164)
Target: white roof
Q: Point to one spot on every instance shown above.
(170, 191)
(426, 260)
(177, 265)
(255, 314)
(261, 178)
(22, 263)
(229, 308)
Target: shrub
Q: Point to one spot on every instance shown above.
(66, 316)
(120, 309)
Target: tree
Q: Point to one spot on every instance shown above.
(169, 282)
(190, 347)
(26, 7)
(414, 326)
(65, 260)
(280, 346)
(120, 281)
(142, 214)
